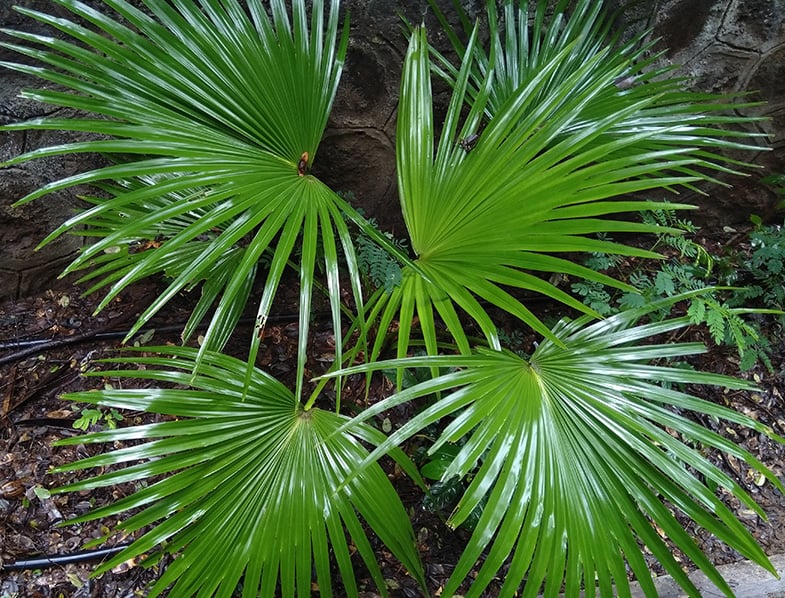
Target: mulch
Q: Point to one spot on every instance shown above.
(48, 340)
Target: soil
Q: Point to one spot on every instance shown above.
(47, 340)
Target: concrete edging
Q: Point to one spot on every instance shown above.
(747, 580)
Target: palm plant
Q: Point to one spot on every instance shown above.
(255, 484)
(578, 455)
(212, 113)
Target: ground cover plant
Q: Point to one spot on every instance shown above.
(730, 282)
(574, 457)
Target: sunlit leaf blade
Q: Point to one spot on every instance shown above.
(255, 484)
(580, 454)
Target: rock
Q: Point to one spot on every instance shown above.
(730, 47)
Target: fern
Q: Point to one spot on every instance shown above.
(690, 269)
(380, 268)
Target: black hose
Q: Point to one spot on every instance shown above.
(45, 345)
(48, 560)
(52, 422)
(34, 346)
(58, 342)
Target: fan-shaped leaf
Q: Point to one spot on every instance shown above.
(253, 482)
(570, 451)
(212, 114)
(544, 173)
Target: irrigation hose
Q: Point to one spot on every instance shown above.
(59, 560)
(35, 346)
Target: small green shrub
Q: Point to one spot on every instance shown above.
(765, 266)
(91, 417)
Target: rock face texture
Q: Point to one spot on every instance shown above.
(22, 270)
(732, 47)
(724, 46)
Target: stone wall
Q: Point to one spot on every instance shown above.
(22, 270)
(724, 45)
(728, 46)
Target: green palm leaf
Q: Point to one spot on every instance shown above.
(477, 219)
(551, 167)
(523, 41)
(253, 482)
(222, 108)
(581, 454)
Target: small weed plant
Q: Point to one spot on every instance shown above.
(211, 113)
(381, 270)
(89, 417)
(764, 266)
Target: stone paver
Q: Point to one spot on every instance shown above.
(747, 579)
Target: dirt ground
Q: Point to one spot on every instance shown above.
(46, 341)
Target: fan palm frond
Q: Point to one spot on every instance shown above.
(242, 476)
(222, 108)
(582, 454)
(539, 180)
